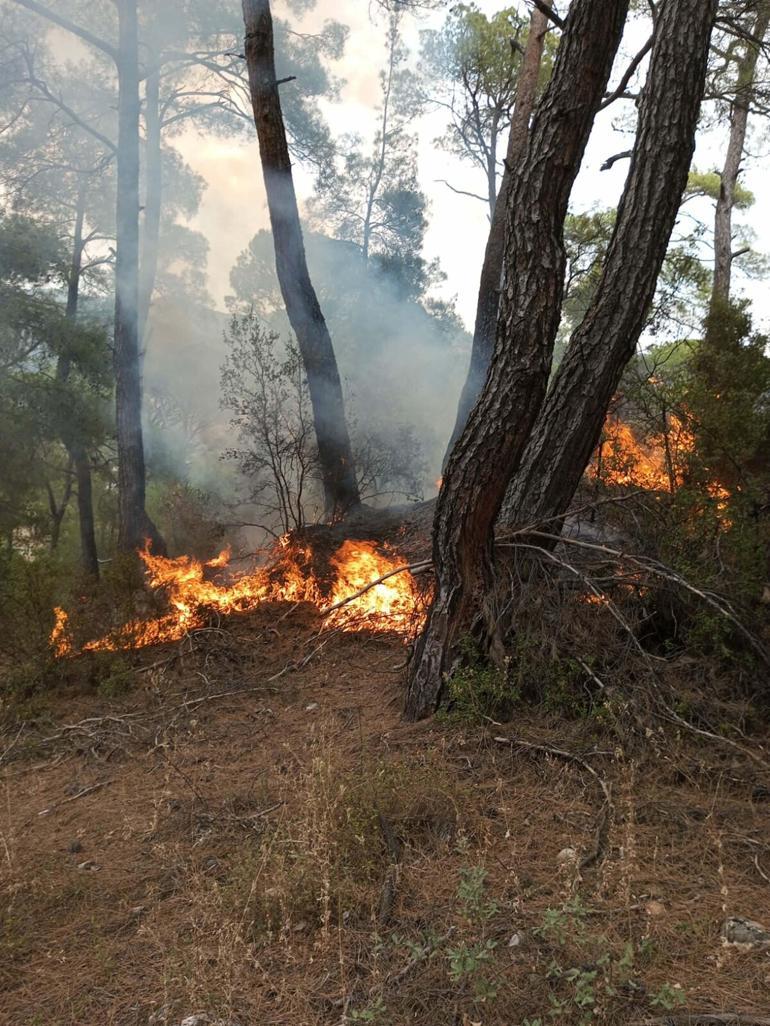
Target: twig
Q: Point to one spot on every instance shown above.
(75, 797)
(413, 568)
(603, 823)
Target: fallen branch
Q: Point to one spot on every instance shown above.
(603, 822)
(705, 1019)
(413, 568)
(75, 797)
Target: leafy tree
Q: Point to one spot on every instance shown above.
(372, 200)
(471, 68)
(36, 335)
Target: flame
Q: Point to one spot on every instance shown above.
(657, 465)
(192, 593)
(61, 639)
(390, 604)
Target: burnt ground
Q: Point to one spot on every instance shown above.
(240, 827)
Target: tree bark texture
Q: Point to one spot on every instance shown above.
(571, 420)
(746, 72)
(302, 306)
(492, 443)
(492, 267)
(134, 524)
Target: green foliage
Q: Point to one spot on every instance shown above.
(483, 55)
(477, 691)
(709, 184)
(590, 978)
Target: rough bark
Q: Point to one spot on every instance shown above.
(135, 525)
(491, 445)
(570, 423)
(302, 306)
(74, 446)
(739, 120)
(491, 270)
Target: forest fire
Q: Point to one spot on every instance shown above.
(657, 465)
(193, 594)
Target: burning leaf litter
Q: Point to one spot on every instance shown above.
(193, 594)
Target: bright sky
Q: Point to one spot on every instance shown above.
(234, 204)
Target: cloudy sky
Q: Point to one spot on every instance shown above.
(234, 204)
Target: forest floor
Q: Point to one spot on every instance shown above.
(207, 845)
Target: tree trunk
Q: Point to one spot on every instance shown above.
(134, 524)
(491, 270)
(302, 306)
(570, 423)
(153, 174)
(491, 445)
(739, 120)
(73, 445)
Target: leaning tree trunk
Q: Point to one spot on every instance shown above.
(570, 423)
(490, 447)
(73, 444)
(739, 121)
(302, 306)
(135, 525)
(491, 270)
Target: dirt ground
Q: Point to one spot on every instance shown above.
(246, 832)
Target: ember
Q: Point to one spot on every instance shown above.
(192, 595)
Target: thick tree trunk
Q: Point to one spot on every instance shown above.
(134, 524)
(491, 270)
(491, 445)
(74, 446)
(153, 194)
(570, 423)
(739, 121)
(302, 306)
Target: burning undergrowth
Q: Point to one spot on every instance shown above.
(359, 585)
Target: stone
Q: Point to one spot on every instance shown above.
(74, 847)
(567, 855)
(745, 933)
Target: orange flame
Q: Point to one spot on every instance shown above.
(61, 639)
(192, 595)
(657, 465)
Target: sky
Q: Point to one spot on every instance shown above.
(234, 207)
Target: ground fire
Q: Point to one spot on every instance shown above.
(195, 591)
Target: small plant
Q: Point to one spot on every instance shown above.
(668, 998)
(588, 977)
(478, 691)
(373, 1012)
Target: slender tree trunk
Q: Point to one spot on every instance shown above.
(492, 443)
(153, 173)
(491, 270)
(739, 121)
(74, 446)
(302, 306)
(134, 524)
(570, 423)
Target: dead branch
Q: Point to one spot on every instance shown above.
(607, 810)
(413, 568)
(75, 797)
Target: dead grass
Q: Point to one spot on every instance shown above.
(238, 859)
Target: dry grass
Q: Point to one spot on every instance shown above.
(243, 863)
